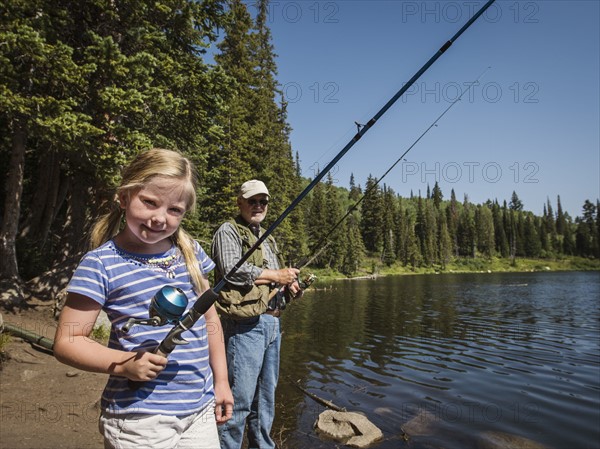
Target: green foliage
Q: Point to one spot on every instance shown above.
(100, 333)
(5, 339)
(86, 85)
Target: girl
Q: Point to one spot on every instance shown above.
(175, 406)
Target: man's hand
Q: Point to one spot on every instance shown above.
(295, 290)
(287, 276)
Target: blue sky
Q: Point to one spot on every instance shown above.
(530, 125)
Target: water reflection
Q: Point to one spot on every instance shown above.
(515, 353)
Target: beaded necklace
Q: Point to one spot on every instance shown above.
(166, 264)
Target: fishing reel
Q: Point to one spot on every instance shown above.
(285, 296)
(307, 281)
(166, 307)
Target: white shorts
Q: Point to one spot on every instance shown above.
(136, 431)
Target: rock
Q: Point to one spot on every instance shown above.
(334, 428)
(28, 374)
(350, 428)
(501, 440)
(422, 424)
(11, 295)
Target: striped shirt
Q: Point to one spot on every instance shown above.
(124, 287)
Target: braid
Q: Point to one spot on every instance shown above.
(185, 243)
(106, 227)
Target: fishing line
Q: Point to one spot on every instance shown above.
(208, 298)
(321, 244)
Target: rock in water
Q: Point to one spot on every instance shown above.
(501, 440)
(422, 424)
(350, 428)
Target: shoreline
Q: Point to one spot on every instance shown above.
(477, 266)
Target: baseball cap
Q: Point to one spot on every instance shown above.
(253, 187)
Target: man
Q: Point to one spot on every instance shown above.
(250, 306)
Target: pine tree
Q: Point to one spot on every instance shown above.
(597, 229)
(515, 203)
(437, 196)
(355, 192)
(561, 222)
(400, 230)
(585, 237)
(452, 219)
(335, 251)
(520, 234)
(372, 216)
(256, 143)
(444, 242)
(388, 253)
(484, 222)
(234, 161)
(110, 82)
(413, 255)
(316, 222)
(500, 231)
(421, 230)
(466, 231)
(41, 83)
(354, 250)
(531, 242)
(553, 241)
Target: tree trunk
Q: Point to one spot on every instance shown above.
(46, 196)
(74, 231)
(9, 268)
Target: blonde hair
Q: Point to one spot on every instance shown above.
(146, 166)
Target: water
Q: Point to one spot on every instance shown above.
(465, 354)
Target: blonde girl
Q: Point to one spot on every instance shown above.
(138, 248)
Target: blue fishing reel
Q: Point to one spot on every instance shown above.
(166, 307)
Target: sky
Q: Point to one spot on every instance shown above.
(530, 124)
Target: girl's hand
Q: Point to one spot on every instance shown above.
(223, 402)
(142, 366)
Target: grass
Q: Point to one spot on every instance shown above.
(374, 267)
(5, 339)
(100, 334)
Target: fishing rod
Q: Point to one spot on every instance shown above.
(321, 244)
(209, 297)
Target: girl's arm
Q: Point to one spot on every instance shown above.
(218, 363)
(73, 346)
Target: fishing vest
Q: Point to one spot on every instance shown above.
(241, 302)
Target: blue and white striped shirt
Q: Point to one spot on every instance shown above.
(124, 287)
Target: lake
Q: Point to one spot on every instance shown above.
(466, 354)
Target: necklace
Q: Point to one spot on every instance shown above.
(166, 264)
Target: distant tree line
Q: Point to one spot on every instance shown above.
(86, 85)
(430, 231)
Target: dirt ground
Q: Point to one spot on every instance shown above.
(43, 403)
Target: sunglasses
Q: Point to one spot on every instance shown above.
(254, 202)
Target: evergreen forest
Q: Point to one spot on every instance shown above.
(85, 85)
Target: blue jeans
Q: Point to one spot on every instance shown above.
(253, 365)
